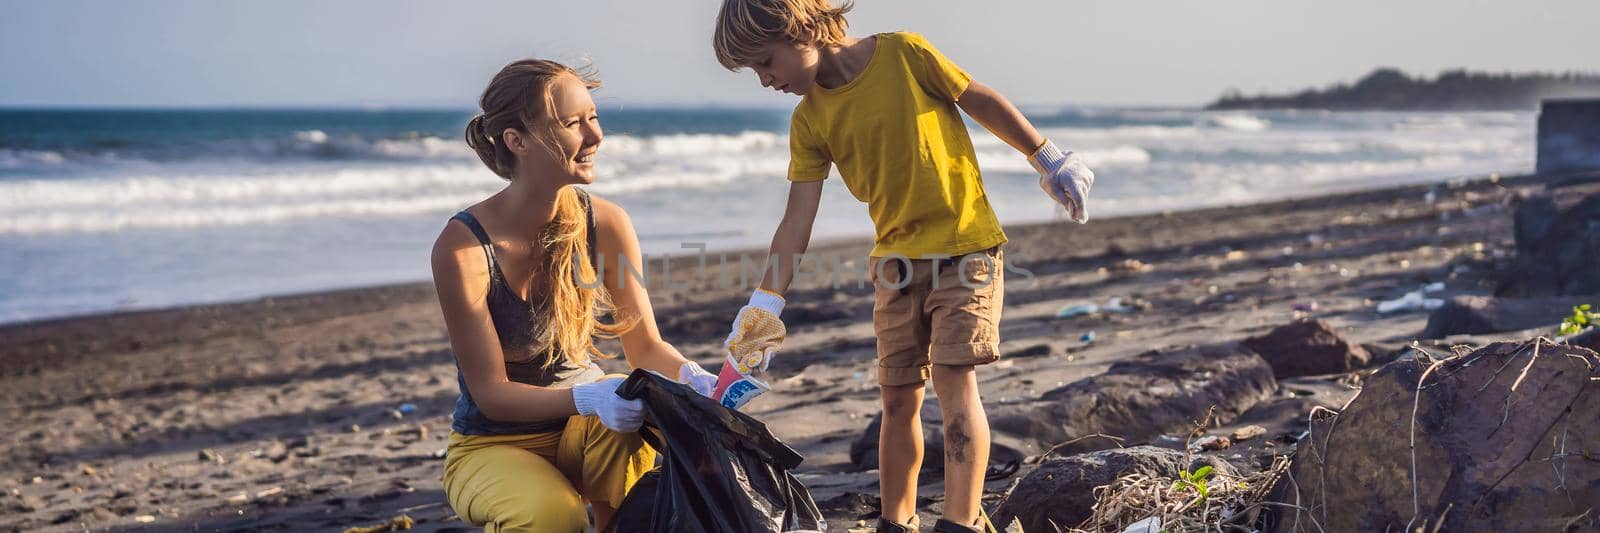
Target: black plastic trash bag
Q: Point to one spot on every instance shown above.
(721, 471)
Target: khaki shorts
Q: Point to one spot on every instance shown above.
(922, 320)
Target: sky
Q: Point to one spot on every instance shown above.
(412, 53)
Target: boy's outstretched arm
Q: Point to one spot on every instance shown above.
(757, 330)
(789, 242)
(996, 114)
(1062, 175)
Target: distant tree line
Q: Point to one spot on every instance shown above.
(1454, 90)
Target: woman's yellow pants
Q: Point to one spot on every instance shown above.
(538, 482)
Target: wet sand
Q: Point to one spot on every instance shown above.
(284, 413)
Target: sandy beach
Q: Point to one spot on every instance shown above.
(330, 410)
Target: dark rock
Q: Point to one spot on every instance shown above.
(1589, 339)
(1569, 134)
(1283, 415)
(1384, 353)
(1474, 315)
(1308, 348)
(864, 451)
(851, 506)
(1059, 494)
(1532, 220)
(1557, 249)
(1031, 351)
(1004, 459)
(67, 516)
(1157, 393)
(1501, 437)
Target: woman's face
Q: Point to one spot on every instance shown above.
(572, 133)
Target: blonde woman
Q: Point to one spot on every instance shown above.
(538, 429)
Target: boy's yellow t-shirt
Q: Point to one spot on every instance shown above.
(901, 147)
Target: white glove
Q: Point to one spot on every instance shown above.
(757, 331)
(757, 334)
(600, 399)
(1065, 178)
(697, 378)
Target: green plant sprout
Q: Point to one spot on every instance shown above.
(1580, 320)
(1196, 480)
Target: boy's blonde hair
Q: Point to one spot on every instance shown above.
(744, 26)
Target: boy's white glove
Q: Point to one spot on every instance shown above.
(755, 339)
(600, 399)
(697, 378)
(1065, 178)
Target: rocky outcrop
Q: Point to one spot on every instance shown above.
(1308, 348)
(1476, 315)
(1138, 400)
(1504, 440)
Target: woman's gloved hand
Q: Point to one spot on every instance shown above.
(600, 399)
(697, 378)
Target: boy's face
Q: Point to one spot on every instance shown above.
(787, 67)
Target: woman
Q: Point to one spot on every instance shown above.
(538, 429)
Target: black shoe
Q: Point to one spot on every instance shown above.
(946, 526)
(983, 525)
(886, 526)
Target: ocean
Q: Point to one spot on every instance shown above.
(108, 210)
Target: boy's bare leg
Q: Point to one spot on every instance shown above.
(966, 441)
(900, 450)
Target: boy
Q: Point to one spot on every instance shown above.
(883, 110)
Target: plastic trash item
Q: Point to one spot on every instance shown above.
(1412, 301)
(721, 470)
(1433, 287)
(1077, 310)
(741, 391)
(1114, 305)
(737, 383)
(406, 408)
(1148, 525)
(1209, 442)
(1088, 337)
